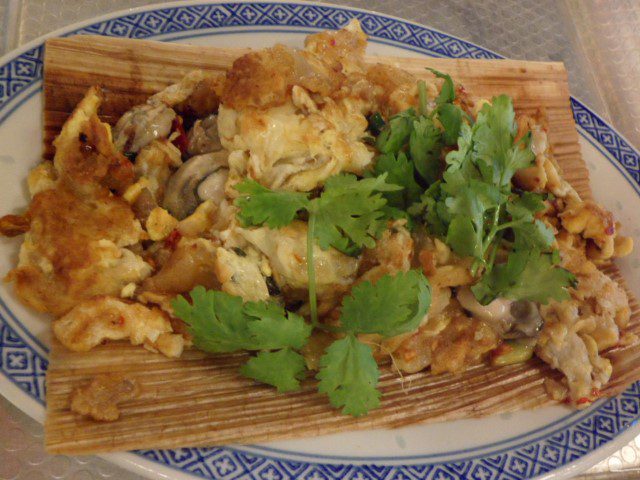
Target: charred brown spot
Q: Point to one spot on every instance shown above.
(14, 225)
(272, 286)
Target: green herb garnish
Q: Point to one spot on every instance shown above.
(464, 197)
(222, 323)
(349, 215)
(475, 210)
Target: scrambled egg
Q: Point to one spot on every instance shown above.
(155, 163)
(79, 231)
(286, 249)
(65, 259)
(290, 118)
(240, 274)
(576, 330)
(285, 148)
(102, 318)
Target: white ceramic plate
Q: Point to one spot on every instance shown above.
(552, 442)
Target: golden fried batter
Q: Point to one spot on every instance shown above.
(193, 262)
(107, 318)
(462, 344)
(74, 250)
(100, 398)
(264, 79)
(260, 79)
(13, 225)
(204, 99)
(85, 155)
(77, 230)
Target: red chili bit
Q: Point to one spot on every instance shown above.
(181, 141)
(583, 400)
(610, 230)
(502, 349)
(333, 42)
(171, 242)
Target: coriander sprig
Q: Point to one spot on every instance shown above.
(474, 207)
(223, 323)
(465, 197)
(348, 215)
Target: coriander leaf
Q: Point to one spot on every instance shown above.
(427, 209)
(519, 156)
(493, 137)
(396, 133)
(456, 158)
(467, 209)
(394, 213)
(391, 306)
(222, 323)
(349, 376)
(447, 92)
(524, 207)
(350, 249)
(458, 180)
(274, 328)
(494, 132)
(455, 181)
(533, 235)
(527, 275)
(350, 211)
(450, 117)
(259, 205)
(424, 147)
(463, 238)
(283, 369)
(399, 172)
(430, 195)
(215, 320)
(461, 169)
(529, 232)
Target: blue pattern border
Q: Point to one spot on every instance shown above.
(26, 368)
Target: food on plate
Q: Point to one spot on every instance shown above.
(325, 215)
(100, 397)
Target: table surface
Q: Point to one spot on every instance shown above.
(597, 40)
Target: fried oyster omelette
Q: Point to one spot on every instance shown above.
(441, 232)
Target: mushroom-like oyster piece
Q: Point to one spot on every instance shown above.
(203, 136)
(198, 179)
(509, 318)
(141, 125)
